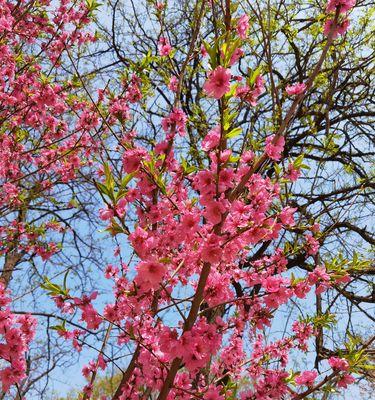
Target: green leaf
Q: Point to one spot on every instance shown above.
(254, 75)
(114, 229)
(53, 289)
(212, 53)
(126, 179)
(233, 133)
(66, 278)
(58, 328)
(102, 188)
(231, 91)
(304, 166)
(298, 161)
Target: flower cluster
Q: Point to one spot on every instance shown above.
(194, 229)
(45, 130)
(342, 7)
(251, 94)
(164, 47)
(17, 331)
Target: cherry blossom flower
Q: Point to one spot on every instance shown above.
(340, 29)
(243, 26)
(175, 121)
(345, 381)
(173, 84)
(213, 394)
(212, 139)
(287, 216)
(251, 95)
(296, 89)
(106, 214)
(160, 6)
(150, 274)
(164, 47)
(306, 378)
(16, 332)
(237, 54)
(204, 52)
(344, 5)
(292, 173)
(274, 147)
(218, 82)
(312, 244)
(338, 363)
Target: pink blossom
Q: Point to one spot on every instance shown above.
(345, 381)
(190, 222)
(218, 289)
(150, 274)
(243, 26)
(65, 306)
(226, 179)
(303, 332)
(274, 147)
(16, 333)
(120, 108)
(133, 93)
(306, 378)
(121, 206)
(338, 363)
(272, 284)
(315, 228)
(344, 5)
(312, 244)
(175, 121)
(302, 289)
(292, 173)
(204, 181)
(287, 216)
(320, 278)
(212, 139)
(218, 82)
(9, 377)
(173, 84)
(340, 29)
(237, 54)
(160, 6)
(214, 211)
(88, 369)
(106, 214)
(251, 95)
(211, 250)
(141, 242)
(204, 51)
(102, 364)
(247, 156)
(164, 47)
(296, 89)
(6, 23)
(132, 159)
(198, 345)
(87, 390)
(213, 394)
(343, 27)
(89, 314)
(344, 278)
(111, 271)
(318, 275)
(276, 298)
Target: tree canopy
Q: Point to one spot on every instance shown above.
(186, 199)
